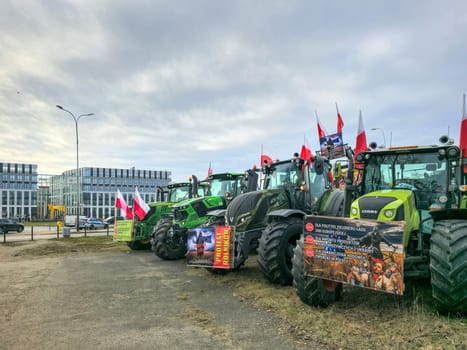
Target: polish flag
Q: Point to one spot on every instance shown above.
(140, 207)
(321, 130)
(361, 144)
(120, 203)
(209, 170)
(463, 134)
(340, 121)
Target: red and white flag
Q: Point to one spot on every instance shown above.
(360, 144)
(209, 170)
(340, 121)
(140, 207)
(463, 133)
(321, 130)
(120, 203)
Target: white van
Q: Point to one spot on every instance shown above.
(70, 220)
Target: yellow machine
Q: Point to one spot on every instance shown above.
(56, 211)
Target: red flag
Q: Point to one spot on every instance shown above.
(140, 207)
(361, 144)
(340, 121)
(321, 130)
(120, 203)
(265, 160)
(463, 133)
(305, 154)
(209, 170)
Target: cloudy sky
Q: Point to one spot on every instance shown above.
(175, 85)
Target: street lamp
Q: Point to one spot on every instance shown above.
(382, 131)
(76, 119)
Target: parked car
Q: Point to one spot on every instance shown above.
(7, 225)
(111, 219)
(94, 224)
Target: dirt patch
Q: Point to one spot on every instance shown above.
(141, 286)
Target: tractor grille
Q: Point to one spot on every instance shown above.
(180, 215)
(371, 206)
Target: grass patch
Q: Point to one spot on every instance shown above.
(364, 319)
(71, 245)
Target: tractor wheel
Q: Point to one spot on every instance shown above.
(164, 244)
(448, 265)
(275, 249)
(139, 245)
(311, 290)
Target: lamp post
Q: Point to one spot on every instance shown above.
(382, 132)
(76, 119)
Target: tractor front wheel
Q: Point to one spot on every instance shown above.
(165, 245)
(275, 250)
(139, 245)
(311, 290)
(448, 265)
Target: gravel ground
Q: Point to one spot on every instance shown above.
(124, 300)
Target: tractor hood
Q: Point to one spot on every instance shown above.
(388, 205)
(249, 209)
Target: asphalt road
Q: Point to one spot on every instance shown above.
(125, 301)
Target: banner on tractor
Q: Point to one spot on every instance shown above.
(332, 146)
(123, 230)
(365, 253)
(210, 247)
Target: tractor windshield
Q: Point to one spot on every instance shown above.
(422, 173)
(178, 194)
(220, 186)
(282, 175)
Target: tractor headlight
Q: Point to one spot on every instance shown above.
(389, 213)
(354, 211)
(243, 220)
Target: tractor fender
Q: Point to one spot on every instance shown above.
(449, 214)
(285, 213)
(217, 212)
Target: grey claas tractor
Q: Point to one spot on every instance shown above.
(270, 219)
(426, 188)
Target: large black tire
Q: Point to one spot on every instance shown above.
(448, 265)
(139, 245)
(164, 245)
(275, 250)
(20, 229)
(311, 290)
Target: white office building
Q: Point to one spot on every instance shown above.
(18, 190)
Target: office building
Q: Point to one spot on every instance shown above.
(98, 189)
(27, 195)
(18, 190)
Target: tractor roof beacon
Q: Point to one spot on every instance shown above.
(426, 187)
(170, 234)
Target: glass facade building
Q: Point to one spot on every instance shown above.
(97, 189)
(18, 191)
(26, 195)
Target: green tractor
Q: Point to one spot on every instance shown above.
(141, 238)
(171, 233)
(425, 189)
(270, 219)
